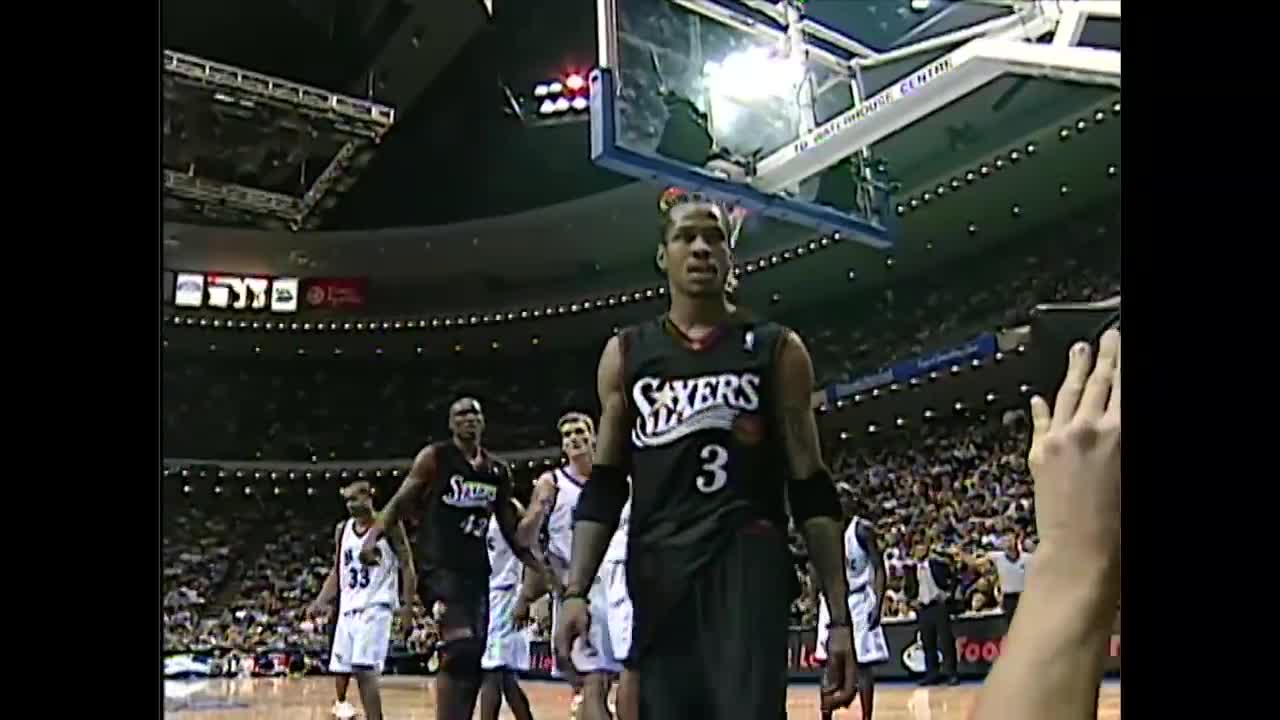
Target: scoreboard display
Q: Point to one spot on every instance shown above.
(255, 293)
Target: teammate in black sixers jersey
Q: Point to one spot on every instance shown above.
(455, 486)
(708, 409)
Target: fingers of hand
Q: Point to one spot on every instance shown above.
(1098, 387)
(1078, 364)
(1113, 404)
(1040, 417)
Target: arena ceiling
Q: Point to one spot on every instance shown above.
(605, 241)
(554, 225)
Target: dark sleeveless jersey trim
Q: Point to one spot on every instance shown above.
(703, 344)
(625, 339)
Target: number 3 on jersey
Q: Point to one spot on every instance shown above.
(714, 476)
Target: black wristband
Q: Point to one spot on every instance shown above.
(838, 625)
(575, 595)
(603, 496)
(814, 496)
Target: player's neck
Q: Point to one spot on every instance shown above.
(693, 314)
(362, 522)
(469, 448)
(581, 466)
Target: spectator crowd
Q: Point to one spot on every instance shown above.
(962, 490)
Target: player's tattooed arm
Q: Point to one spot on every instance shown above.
(824, 536)
(399, 540)
(544, 498)
(411, 491)
(591, 539)
(866, 534)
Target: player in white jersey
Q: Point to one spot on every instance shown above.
(617, 601)
(555, 495)
(507, 647)
(368, 596)
(866, 577)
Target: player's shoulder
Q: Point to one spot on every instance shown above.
(340, 527)
(862, 527)
(499, 465)
(784, 334)
(428, 453)
(640, 331)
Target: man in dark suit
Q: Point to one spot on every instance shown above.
(930, 585)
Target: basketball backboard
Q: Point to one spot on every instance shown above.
(821, 112)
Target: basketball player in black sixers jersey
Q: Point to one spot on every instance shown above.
(455, 486)
(708, 410)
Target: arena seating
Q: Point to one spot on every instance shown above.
(965, 485)
(352, 409)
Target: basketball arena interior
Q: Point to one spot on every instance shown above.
(375, 207)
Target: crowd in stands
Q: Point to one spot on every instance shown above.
(355, 409)
(960, 489)
(240, 572)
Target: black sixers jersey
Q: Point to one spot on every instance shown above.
(706, 456)
(457, 508)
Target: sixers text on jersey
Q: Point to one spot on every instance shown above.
(667, 410)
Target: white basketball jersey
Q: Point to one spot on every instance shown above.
(364, 585)
(858, 570)
(560, 522)
(617, 551)
(504, 566)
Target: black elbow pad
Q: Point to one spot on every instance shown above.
(815, 496)
(603, 496)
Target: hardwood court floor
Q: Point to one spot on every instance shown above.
(412, 698)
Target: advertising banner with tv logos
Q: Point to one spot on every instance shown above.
(236, 293)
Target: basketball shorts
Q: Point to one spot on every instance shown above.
(618, 600)
(869, 645)
(595, 652)
(719, 650)
(361, 640)
(506, 646)
(465, 597)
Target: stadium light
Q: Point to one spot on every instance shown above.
(575, 82)
(746, 83)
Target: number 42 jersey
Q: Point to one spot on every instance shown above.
(457, 508)
(706, 456)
